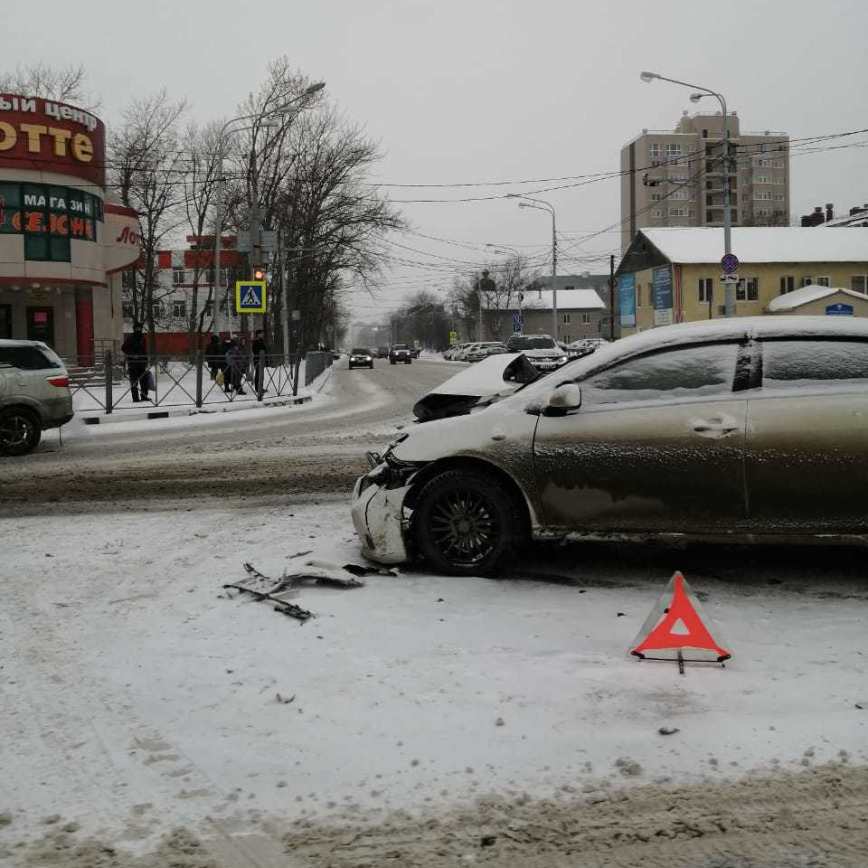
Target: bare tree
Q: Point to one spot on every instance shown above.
(199, 181)
(146, 170)
(64, 84)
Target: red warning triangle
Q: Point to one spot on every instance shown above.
(683, 627)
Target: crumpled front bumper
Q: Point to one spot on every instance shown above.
(378, 516)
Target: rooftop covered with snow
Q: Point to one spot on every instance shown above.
(758, 244)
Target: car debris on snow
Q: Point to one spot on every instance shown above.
(281, 590)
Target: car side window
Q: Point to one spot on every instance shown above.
(684, 373)
(801, 364)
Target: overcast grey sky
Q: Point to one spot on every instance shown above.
(487, 90)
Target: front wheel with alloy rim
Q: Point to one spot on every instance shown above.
(468, 522)
(20, 431)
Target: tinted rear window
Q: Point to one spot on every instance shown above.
(27, 358)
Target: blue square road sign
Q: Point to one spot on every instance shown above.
(250, 296)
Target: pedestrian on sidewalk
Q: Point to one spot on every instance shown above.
(136, 351)
(214, 356)
(258, 348)
(235, 368)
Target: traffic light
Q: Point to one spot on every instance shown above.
(259, 274)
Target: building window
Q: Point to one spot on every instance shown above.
(128, 311)
(706, 290)
(657, 197)
(678, 212)
(859, 283)
(638, 295)
(566, 320)
(179, 309)
(788, 284)
(156, 310)
(747, 289)
(586, 319)
(673, 151)
(179, 276)
(654, 149)
(657, 213)
(209, 308)
(823, 281)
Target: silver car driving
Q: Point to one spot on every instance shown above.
(739, 430)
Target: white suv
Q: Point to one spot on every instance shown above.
(34, 395)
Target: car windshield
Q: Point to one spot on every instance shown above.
(360, 351)
(401, 347)
(531, 343)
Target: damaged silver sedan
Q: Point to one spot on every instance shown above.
(743, 430)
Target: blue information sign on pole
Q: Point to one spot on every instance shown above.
(250, 296)
(516, 322)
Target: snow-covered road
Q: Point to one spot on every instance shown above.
(149, 718)
(237, 459)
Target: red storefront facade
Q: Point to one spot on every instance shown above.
(62, 245)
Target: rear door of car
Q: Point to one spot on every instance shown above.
(807, 437)
(657, 445)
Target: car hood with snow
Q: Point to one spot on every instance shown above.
(492, 378)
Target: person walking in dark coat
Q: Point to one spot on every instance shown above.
(214, 356)
(235, 368)
(257, 348)
(136, 351)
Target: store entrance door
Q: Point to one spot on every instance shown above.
(5, 321)
(40, 324)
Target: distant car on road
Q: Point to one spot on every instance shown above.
(400, 353)
(743, 430)
(480, 351)
(382, 352)
(541, 350)
(361, 357)
(34, 395)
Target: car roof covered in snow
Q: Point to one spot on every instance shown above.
(723, 329)
(761, 244)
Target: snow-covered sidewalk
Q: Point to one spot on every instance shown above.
(138, 696)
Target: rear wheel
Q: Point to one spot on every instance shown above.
(468, 523)
(20, 431)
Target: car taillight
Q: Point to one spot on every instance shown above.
(57, 381)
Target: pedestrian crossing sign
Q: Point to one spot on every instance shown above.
(250, 296)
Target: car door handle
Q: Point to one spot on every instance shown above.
(716, 425)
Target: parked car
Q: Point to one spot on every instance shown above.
(361, 357)
(477, 352)
(34, 395)
(400, 353)
(460, 350)
(541, 350)
(740, 430)
(382, 352)
(584, 347)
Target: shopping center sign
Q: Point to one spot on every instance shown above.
(46, 136)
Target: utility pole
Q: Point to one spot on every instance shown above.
(612, 296)
(218, 230)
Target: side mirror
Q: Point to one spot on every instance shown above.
(567, 396)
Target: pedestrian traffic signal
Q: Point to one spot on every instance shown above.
(259, 274)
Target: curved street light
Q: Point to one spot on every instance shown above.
(542, 205)
(700, 93)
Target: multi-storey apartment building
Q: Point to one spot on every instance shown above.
(674, 178)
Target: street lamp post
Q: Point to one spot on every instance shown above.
(502, 248)
(542, 205)
(286, 108)
(727, 216)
